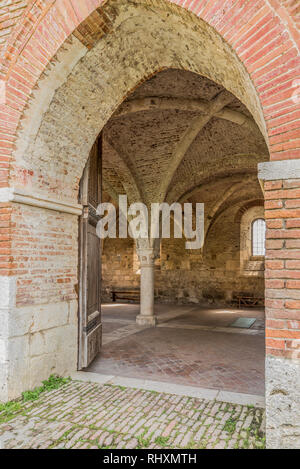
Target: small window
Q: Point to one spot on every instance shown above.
(258, 237)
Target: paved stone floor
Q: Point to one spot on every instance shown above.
(191, 346)
(86, 415)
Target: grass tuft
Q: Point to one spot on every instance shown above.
(10, 409)
(54, 382)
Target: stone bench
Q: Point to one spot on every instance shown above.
(248, 301)
(130, 294)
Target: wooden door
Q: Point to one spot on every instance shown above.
(90, 327)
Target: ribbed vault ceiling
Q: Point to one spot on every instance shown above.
(180, 136)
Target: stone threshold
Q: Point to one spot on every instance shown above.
(172, 388)
(229, 330)
(117, 320)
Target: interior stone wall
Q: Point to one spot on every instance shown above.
(119, 266)
(186, 276)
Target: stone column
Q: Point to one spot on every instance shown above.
(146, 316)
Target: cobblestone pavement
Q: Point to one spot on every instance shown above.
(87, 415)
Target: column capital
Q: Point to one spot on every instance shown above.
(276, 170)
(146, 256)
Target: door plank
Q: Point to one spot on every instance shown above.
(90, 327)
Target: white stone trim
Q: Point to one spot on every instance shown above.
(8, 286)
(171, 388)
(275, 170)
(226, 330)
(36, 200)
(283, 397)
(67, 58)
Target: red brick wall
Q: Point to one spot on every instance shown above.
(45, 250)
(263, 34)
(10, 17)
(5, 239)
(283, 268)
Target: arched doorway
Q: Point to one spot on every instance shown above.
(196, 291)
(59, 130)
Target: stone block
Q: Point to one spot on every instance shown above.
(7, 292)
(73, 312)
(3, 350)
(283, 403)
(4, 382)
(41, 368)
(18, 377)
(17, 347)
(19, 321)
(49, 315)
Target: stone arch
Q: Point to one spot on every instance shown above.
(240, 165)
(53, 24)
(247, 206)
(92, 73)
(42, 58)
(58, 130)
(253, 212)
(223, 207)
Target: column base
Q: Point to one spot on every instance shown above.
(142, 320)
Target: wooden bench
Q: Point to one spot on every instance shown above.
(248, 301)
(129, 294)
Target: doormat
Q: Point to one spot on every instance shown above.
(244, 323)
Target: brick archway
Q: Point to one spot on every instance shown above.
(247, 44)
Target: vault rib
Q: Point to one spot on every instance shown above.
(197, 124)
(155, 103)
(126, 172)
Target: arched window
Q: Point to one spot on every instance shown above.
(258, 237)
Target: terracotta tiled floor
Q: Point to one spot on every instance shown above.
(175, 353)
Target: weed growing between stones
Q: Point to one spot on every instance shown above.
(10, 409)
